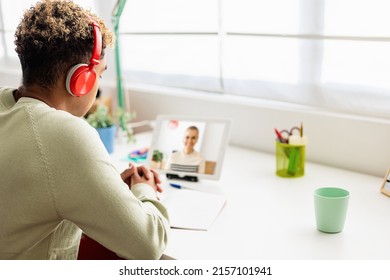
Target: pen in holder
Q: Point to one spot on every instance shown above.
(290, 159)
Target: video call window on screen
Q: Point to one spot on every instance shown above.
(189, 146)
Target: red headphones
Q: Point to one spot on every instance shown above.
(82, 77)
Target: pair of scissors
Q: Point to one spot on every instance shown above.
(287, 133)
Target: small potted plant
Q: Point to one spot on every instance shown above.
(157, 159)
(102, 120)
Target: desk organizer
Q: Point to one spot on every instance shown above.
(290, 160)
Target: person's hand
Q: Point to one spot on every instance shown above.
(144, 172)
(140, 177)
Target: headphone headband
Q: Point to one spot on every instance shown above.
(97, 44)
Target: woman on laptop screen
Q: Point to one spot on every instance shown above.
(188, 159)
(189, 147)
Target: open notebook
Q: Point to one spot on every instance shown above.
(191, 209)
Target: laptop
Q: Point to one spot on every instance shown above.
(189, 151)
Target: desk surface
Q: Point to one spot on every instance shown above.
(268, 217)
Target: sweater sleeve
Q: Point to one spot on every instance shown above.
(88, 190)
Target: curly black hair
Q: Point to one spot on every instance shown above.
(54, 35)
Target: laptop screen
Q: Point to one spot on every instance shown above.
(189, 148)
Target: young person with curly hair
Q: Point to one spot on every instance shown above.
(56, 178)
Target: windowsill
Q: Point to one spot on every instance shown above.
(246, 101)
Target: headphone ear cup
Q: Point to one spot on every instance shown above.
(80, 79)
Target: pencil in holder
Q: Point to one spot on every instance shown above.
(290, 160)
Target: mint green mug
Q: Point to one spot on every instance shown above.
(331, 206)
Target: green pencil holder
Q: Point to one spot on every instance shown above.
(290, 160)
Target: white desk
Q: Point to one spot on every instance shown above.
(268, 217)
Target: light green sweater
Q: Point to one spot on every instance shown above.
(57, 180)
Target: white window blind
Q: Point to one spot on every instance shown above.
(2, 37)
(326, 53)
(356, 56)
(333, 54)
(172, 42)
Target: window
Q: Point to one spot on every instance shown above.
(361, 56)
(326, 53)
(171, 42)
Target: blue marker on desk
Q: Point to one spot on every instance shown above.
(177, 186)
